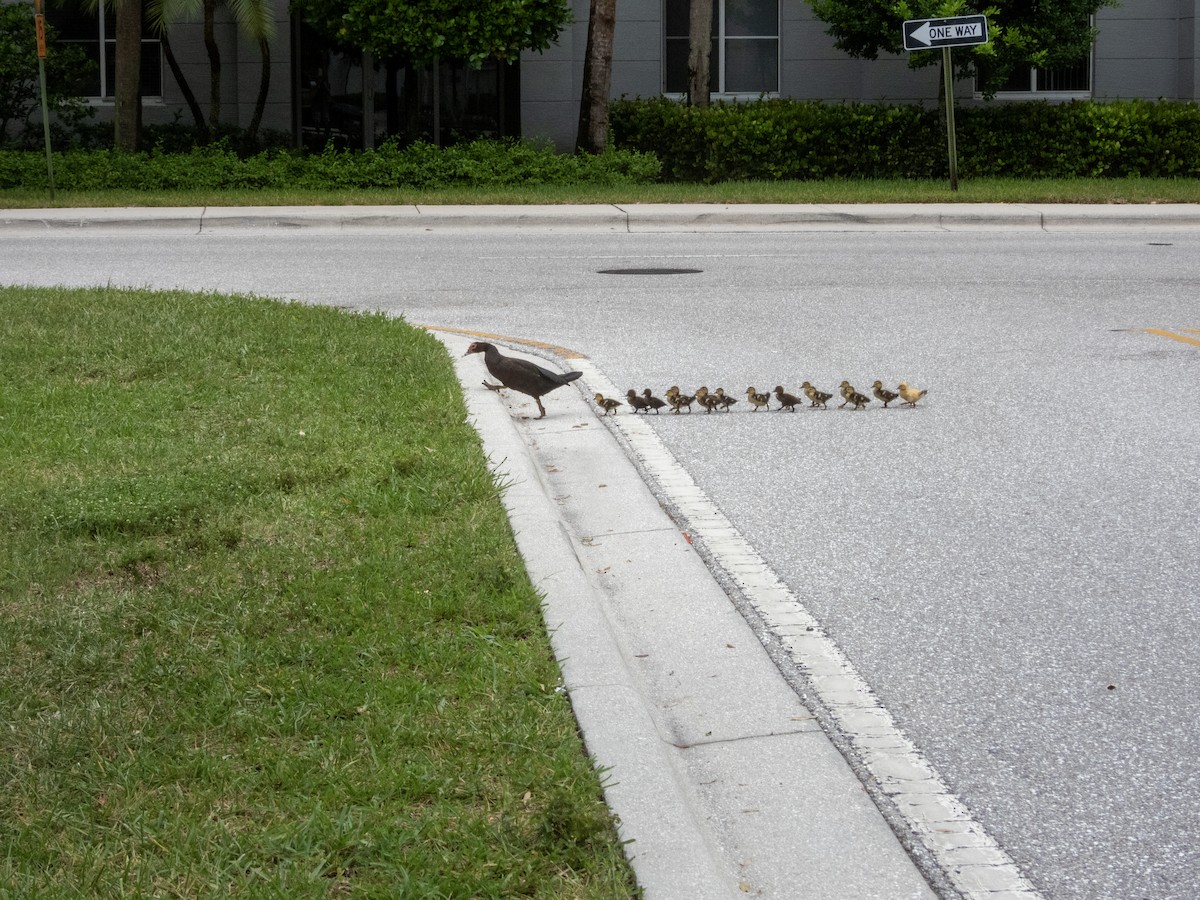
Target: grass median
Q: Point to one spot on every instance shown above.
(264, 630)
(971, 190)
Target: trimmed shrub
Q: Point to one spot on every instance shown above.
(777, 139)
(217, 167)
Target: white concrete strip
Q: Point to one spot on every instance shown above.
(337, 218)
(972, 861)
(723, 781)
(642, 785)
(601, 217)
(697, 217)
(634, 217)
(1141, 217)
(157, 219)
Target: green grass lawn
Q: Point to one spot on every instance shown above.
(971, 190)
(264, 631)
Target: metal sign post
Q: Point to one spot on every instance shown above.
(951, 142)
(40, 23)
(958, 31)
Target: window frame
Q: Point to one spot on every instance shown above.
(718, 63)
(1053, 95)
(106, 45)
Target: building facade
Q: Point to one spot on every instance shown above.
(1144, 49)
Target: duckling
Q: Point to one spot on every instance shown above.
(652, 402)
(725, 400)
(815, 397)
(910, 395)
(882, 394)
(786, 400)
(708, 401)
(672, 391)
(757, 400)
(609, 406)
(679, 401)
(850, 395)
(636, 403)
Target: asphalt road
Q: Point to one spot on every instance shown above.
(1014, 566)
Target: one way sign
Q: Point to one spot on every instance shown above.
(960, 31)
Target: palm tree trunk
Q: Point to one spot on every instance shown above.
(597, 77)
(264, 86)
(128, 88)
(699, 52)
(214, 64)
(189, 95)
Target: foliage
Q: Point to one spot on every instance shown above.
(1134, 138)
(777, 139)
(480, 163)
(178, 136)
(785, 139)
(1048, 34)
(422, 31)
(20, 91)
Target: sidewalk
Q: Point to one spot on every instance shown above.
(628, 218)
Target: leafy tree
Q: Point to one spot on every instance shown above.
(423, 31)
(20, 90)
(1022, 33)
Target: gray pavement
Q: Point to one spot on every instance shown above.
(716, 760)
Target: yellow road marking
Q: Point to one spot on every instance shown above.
(560, 352)
(1195, 342)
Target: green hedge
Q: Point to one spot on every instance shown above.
(777, 139)
(478, 164)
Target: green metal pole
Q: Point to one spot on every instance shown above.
(40, 22)
(46, 126)
(951, 144)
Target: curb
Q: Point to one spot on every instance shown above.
(633, 218)
(722, 780)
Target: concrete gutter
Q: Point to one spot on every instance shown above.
(723, 781)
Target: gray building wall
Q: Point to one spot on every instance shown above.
(812, 68)
(551, 82)
(1145, 48)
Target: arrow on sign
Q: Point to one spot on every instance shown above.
(921, 35)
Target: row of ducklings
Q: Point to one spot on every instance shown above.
(718, 399)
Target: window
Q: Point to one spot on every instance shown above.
(745, 47)
(96, 33)
(1073, 80)
(1066, 82)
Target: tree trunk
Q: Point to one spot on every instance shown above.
(699, 52)
(189, 96)
(127, 91)
(597, 78)
(368, 100)
(214, 64)
(264, 86)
